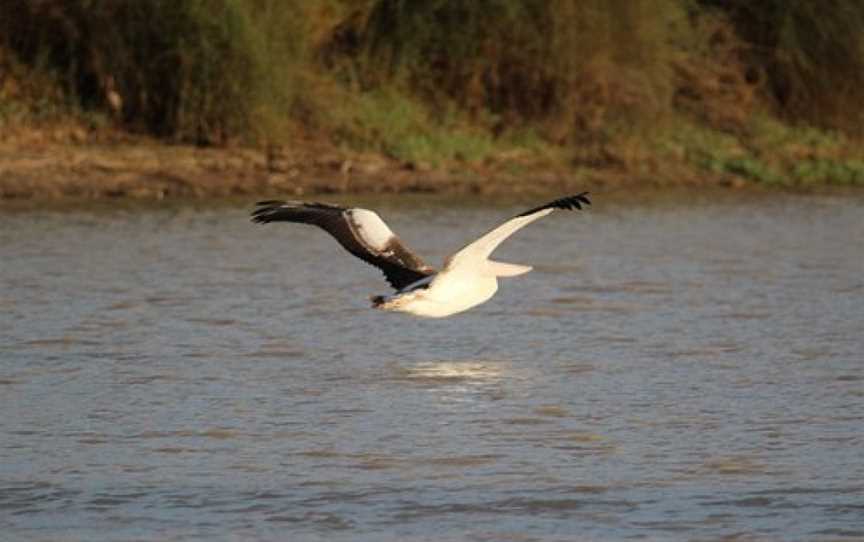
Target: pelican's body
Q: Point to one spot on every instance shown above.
(443, 295)
(467, 279)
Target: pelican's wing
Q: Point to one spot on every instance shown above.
(479, 250)
(360, 231)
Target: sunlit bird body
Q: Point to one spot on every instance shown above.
(467, 279)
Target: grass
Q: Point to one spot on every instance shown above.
(392, 123)
(770, 152)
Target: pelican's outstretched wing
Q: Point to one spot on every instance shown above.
(360, 231)
(480, 249)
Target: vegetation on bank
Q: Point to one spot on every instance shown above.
(768, 91)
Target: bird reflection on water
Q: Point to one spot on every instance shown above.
(453, 372)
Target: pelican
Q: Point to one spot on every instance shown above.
(467, 279)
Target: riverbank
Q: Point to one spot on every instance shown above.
(68, 159)
(440, 98)
(148, 169)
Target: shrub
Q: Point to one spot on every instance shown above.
(575, 67)
(812, 54)
(195, 70)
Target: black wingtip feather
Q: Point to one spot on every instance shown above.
(289, 211)
(571, 202)
(568, 203)
(264, 213)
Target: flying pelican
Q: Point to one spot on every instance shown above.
(468, 278)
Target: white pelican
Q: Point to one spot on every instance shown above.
(467, 279)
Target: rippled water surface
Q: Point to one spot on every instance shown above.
(677, 367)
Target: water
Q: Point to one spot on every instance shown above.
(676, 368)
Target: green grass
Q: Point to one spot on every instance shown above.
(769, 153)
(402, 127)
(827, 171)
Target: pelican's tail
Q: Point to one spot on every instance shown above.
(501, 269)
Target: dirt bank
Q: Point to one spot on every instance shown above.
(143, 168)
